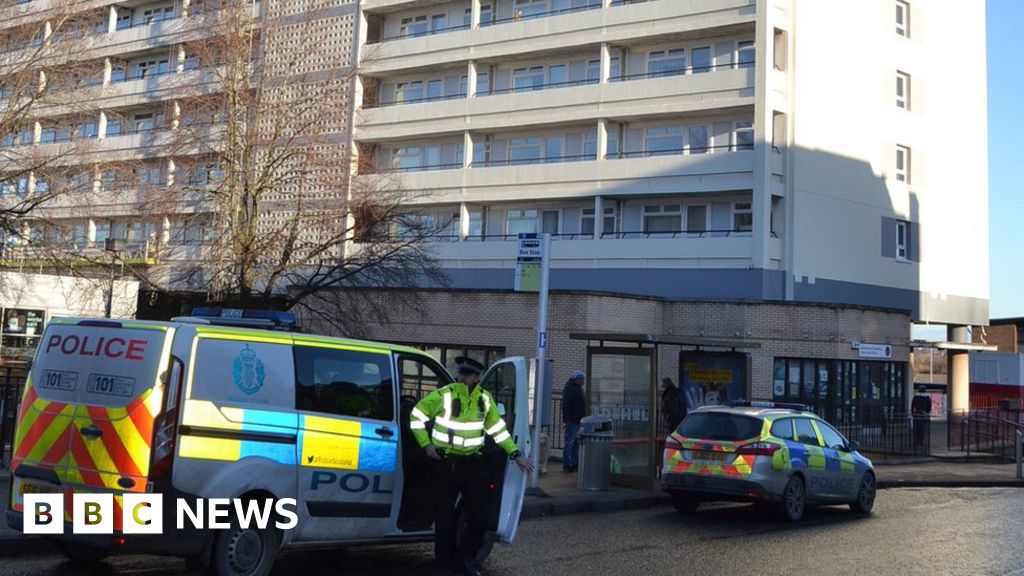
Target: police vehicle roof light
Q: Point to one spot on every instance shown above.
(778, 405)
(272, 319)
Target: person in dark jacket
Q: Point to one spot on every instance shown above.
(573, 410)
(921, 409)
(672, 406)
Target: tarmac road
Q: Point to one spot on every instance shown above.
(913, 531)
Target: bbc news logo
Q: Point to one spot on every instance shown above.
(144, 513)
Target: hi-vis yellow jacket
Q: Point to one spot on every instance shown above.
(462, 417)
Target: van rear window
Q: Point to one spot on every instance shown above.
(97, 365)
(720, 426)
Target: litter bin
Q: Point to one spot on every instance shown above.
(595, 453)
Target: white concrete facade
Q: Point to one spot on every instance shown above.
(767, 128)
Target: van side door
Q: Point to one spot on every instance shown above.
(508, 381)
(348, 440)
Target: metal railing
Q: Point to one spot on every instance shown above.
(522, 16)
(990, 432)
(430, 32)
(422, 99)
(689, 151)
(12, 384)
(540, 87)
(898, 435)
(534, 160)
(684, 71)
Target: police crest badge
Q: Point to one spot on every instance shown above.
(248, 371)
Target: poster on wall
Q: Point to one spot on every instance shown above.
(23, 321)
(712, 378)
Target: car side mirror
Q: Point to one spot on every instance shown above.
(853, 446)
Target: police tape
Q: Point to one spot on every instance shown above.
(144, 513)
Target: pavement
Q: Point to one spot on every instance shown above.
(561, 496)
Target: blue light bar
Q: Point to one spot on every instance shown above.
(778, 405)
(277, 317)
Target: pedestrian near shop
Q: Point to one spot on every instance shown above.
(573, 410)
(921, 410)
(672, 406)
(463, 413)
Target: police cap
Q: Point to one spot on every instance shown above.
(468, 366)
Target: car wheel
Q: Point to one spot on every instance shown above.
(865, 494)
(244, 552)
(685, 504)
(794, 500)
(81, 554)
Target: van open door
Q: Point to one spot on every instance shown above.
(508, 381)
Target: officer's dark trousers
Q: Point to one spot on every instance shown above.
(452, 476)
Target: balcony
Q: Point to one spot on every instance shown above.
(616, 24)
(632, 96)
(632, 175)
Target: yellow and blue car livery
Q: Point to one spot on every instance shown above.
(750, 453)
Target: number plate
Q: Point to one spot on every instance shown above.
(32, 488)
(710, 456)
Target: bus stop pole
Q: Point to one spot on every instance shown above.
(1019, 445)
(542, 343)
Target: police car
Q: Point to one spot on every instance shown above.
(214, 407)
(777, 454)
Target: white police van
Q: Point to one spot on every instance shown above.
(214, 407)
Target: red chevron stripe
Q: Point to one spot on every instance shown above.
(143, 421)
(33, 434)
(26, 402)
(113, 443)
(86, 466)
(59, 448)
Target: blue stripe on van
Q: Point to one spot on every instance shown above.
(377, 454)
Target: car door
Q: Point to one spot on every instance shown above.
(348, 441)
(810, 452)
(508, 381)
(838, 463)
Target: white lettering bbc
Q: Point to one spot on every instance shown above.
(143, 513)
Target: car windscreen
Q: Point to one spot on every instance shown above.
(720, 426)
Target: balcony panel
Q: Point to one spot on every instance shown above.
(699, 173)
(619, 100)
(614, 24)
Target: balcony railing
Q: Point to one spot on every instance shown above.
(689, 150)
(538, 87)
(521, 16)
(534, 160)
(424, 168)
(431, 32)
(423, 99)
(684, 71)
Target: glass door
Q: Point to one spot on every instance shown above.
(620, 384)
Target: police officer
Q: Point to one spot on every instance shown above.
(463, 413)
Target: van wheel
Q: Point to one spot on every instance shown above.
(244, 552)
(794, 500)
(80, 554)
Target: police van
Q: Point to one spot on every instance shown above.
(213, 407)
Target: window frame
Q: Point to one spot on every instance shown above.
(903, 90)
(738, 211)
(743, 46)
(902, 167)
(742, 127)
(902, 13)
(663, 212)
(796, 431)
(903, 240)
(662, 57)
(388, 379)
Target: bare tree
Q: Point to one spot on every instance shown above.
(41, 80)
(264, 158)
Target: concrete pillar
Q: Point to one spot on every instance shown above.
(108, 71)
(599, 216)
(463, 221)
(112, 20)
(42, 81)
(474, 16)
(606, 63)
(101, 126)
(171, 169)
(97, 179)
(606, 3)
(602, 139)
(91, 232)
(165, 232)
(175, 114)
(471, 79)
(959, 370)
(185, 5)
(47, 30)
(467, 149)
(180, 64)
(37, 132)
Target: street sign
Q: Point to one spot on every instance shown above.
(866, 350)
(529, 262)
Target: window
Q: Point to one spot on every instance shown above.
(743, 136)
(701, 59)
(527, 8)
(745, 54)
(483, 83)
(590, 145)
(558, 75)
(435, 89)
(805, 431)
(661, 219)
(414, 26)
(831, 438)
(903, 18)
(698, 139)
(524, 79)
(419, 376)
(344, 383)
(660, 140)
(124, 18)
(438, 23)
(113, 127)
(252, 373)
(486, 15)
(720, 426)
(42, 184)
(742, 217)
(613, 142)
(593, 71)
(783, 429)
(409, 91)
(903, 90)
(524, 150)
(697, 218)
(587, 221)
(158, 14)
(521, 221)
(142, 123)
(666, 62)
(903, 164)
(902, 240)
(554, 149)
(86, 129)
